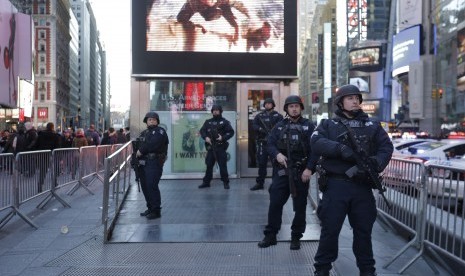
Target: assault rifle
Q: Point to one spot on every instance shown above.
(214, 135)
(265, 127)
(290, 164)
(363, 162)
(135, 160)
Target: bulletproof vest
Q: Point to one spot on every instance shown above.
(215, 128)
(362, 130)
(294, 135)
(266, 123)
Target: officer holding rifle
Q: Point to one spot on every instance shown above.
(216, 132)
(152, 148)
(342, 142)
(293, 164)
(262, 124)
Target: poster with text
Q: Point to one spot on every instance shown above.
(188, 147)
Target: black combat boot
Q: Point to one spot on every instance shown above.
(154, 214)
(295, 243)
(258, 186)
(268, 241)
(146, 212)
(204, 185)
(226, 185)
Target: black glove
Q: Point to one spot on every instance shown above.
(347, 153)
(373, 163)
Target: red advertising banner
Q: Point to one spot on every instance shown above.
(194, 93)
(42, 112)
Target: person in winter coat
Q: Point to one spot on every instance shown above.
(47, 139)
(80, 140)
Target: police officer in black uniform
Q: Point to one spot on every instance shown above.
(293, 163)
(216, 132)
(344, 196)
(152, 152)
(262, 124)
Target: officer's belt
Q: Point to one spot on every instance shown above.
(154, 155)
(338, 176)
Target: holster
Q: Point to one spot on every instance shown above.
(322, 178)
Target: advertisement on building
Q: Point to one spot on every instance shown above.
(362, 82)
(461, 56)
(406, 47)
(15, 52)
(365, 59)
(189, 149)
(196, 38)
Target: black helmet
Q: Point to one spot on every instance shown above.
(269, 100)
(292, 99)
(152, 114)
(347, 90)
(217, 107)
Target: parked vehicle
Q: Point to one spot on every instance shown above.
(446, 180)
(442, 150)
(401, 144)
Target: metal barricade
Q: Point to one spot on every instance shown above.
(87, 169)
(103, 152)
(401, 180)
(8, 198)
(117, 177)
(422, 198)
(445, 213)
(65, 171)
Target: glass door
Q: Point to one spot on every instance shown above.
(251, 103)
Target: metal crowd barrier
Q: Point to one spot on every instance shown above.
(422, 200)
(33, 174)
(117, 179)
(87, 169)
(8, 196)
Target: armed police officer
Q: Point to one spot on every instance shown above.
(293, 164)
(216, 132)
(262, 124)
(152, 152)
(344, 193)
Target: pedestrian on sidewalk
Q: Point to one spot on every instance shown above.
(216, 132)
(151, 154)
(293, 165)
(262, 124)
(345, 194)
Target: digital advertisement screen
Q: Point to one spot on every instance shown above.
(461, 56)
(362, 82)
(406, 47)
(214, 38)
(365, 59)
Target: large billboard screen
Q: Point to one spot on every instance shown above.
(214, 38)
(365, 59)
(406, 49)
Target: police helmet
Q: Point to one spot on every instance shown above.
(347, 90)
(152, 114)
(269, 100)
(217, 107)
(293, 99)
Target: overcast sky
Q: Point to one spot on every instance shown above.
(113, 22)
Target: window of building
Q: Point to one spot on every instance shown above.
(42, 47)
(42, 58)
(42, 71)
(42, 97)
(42, 34)
(41, 9)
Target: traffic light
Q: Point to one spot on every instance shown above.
(440, 92)
(434, 93)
